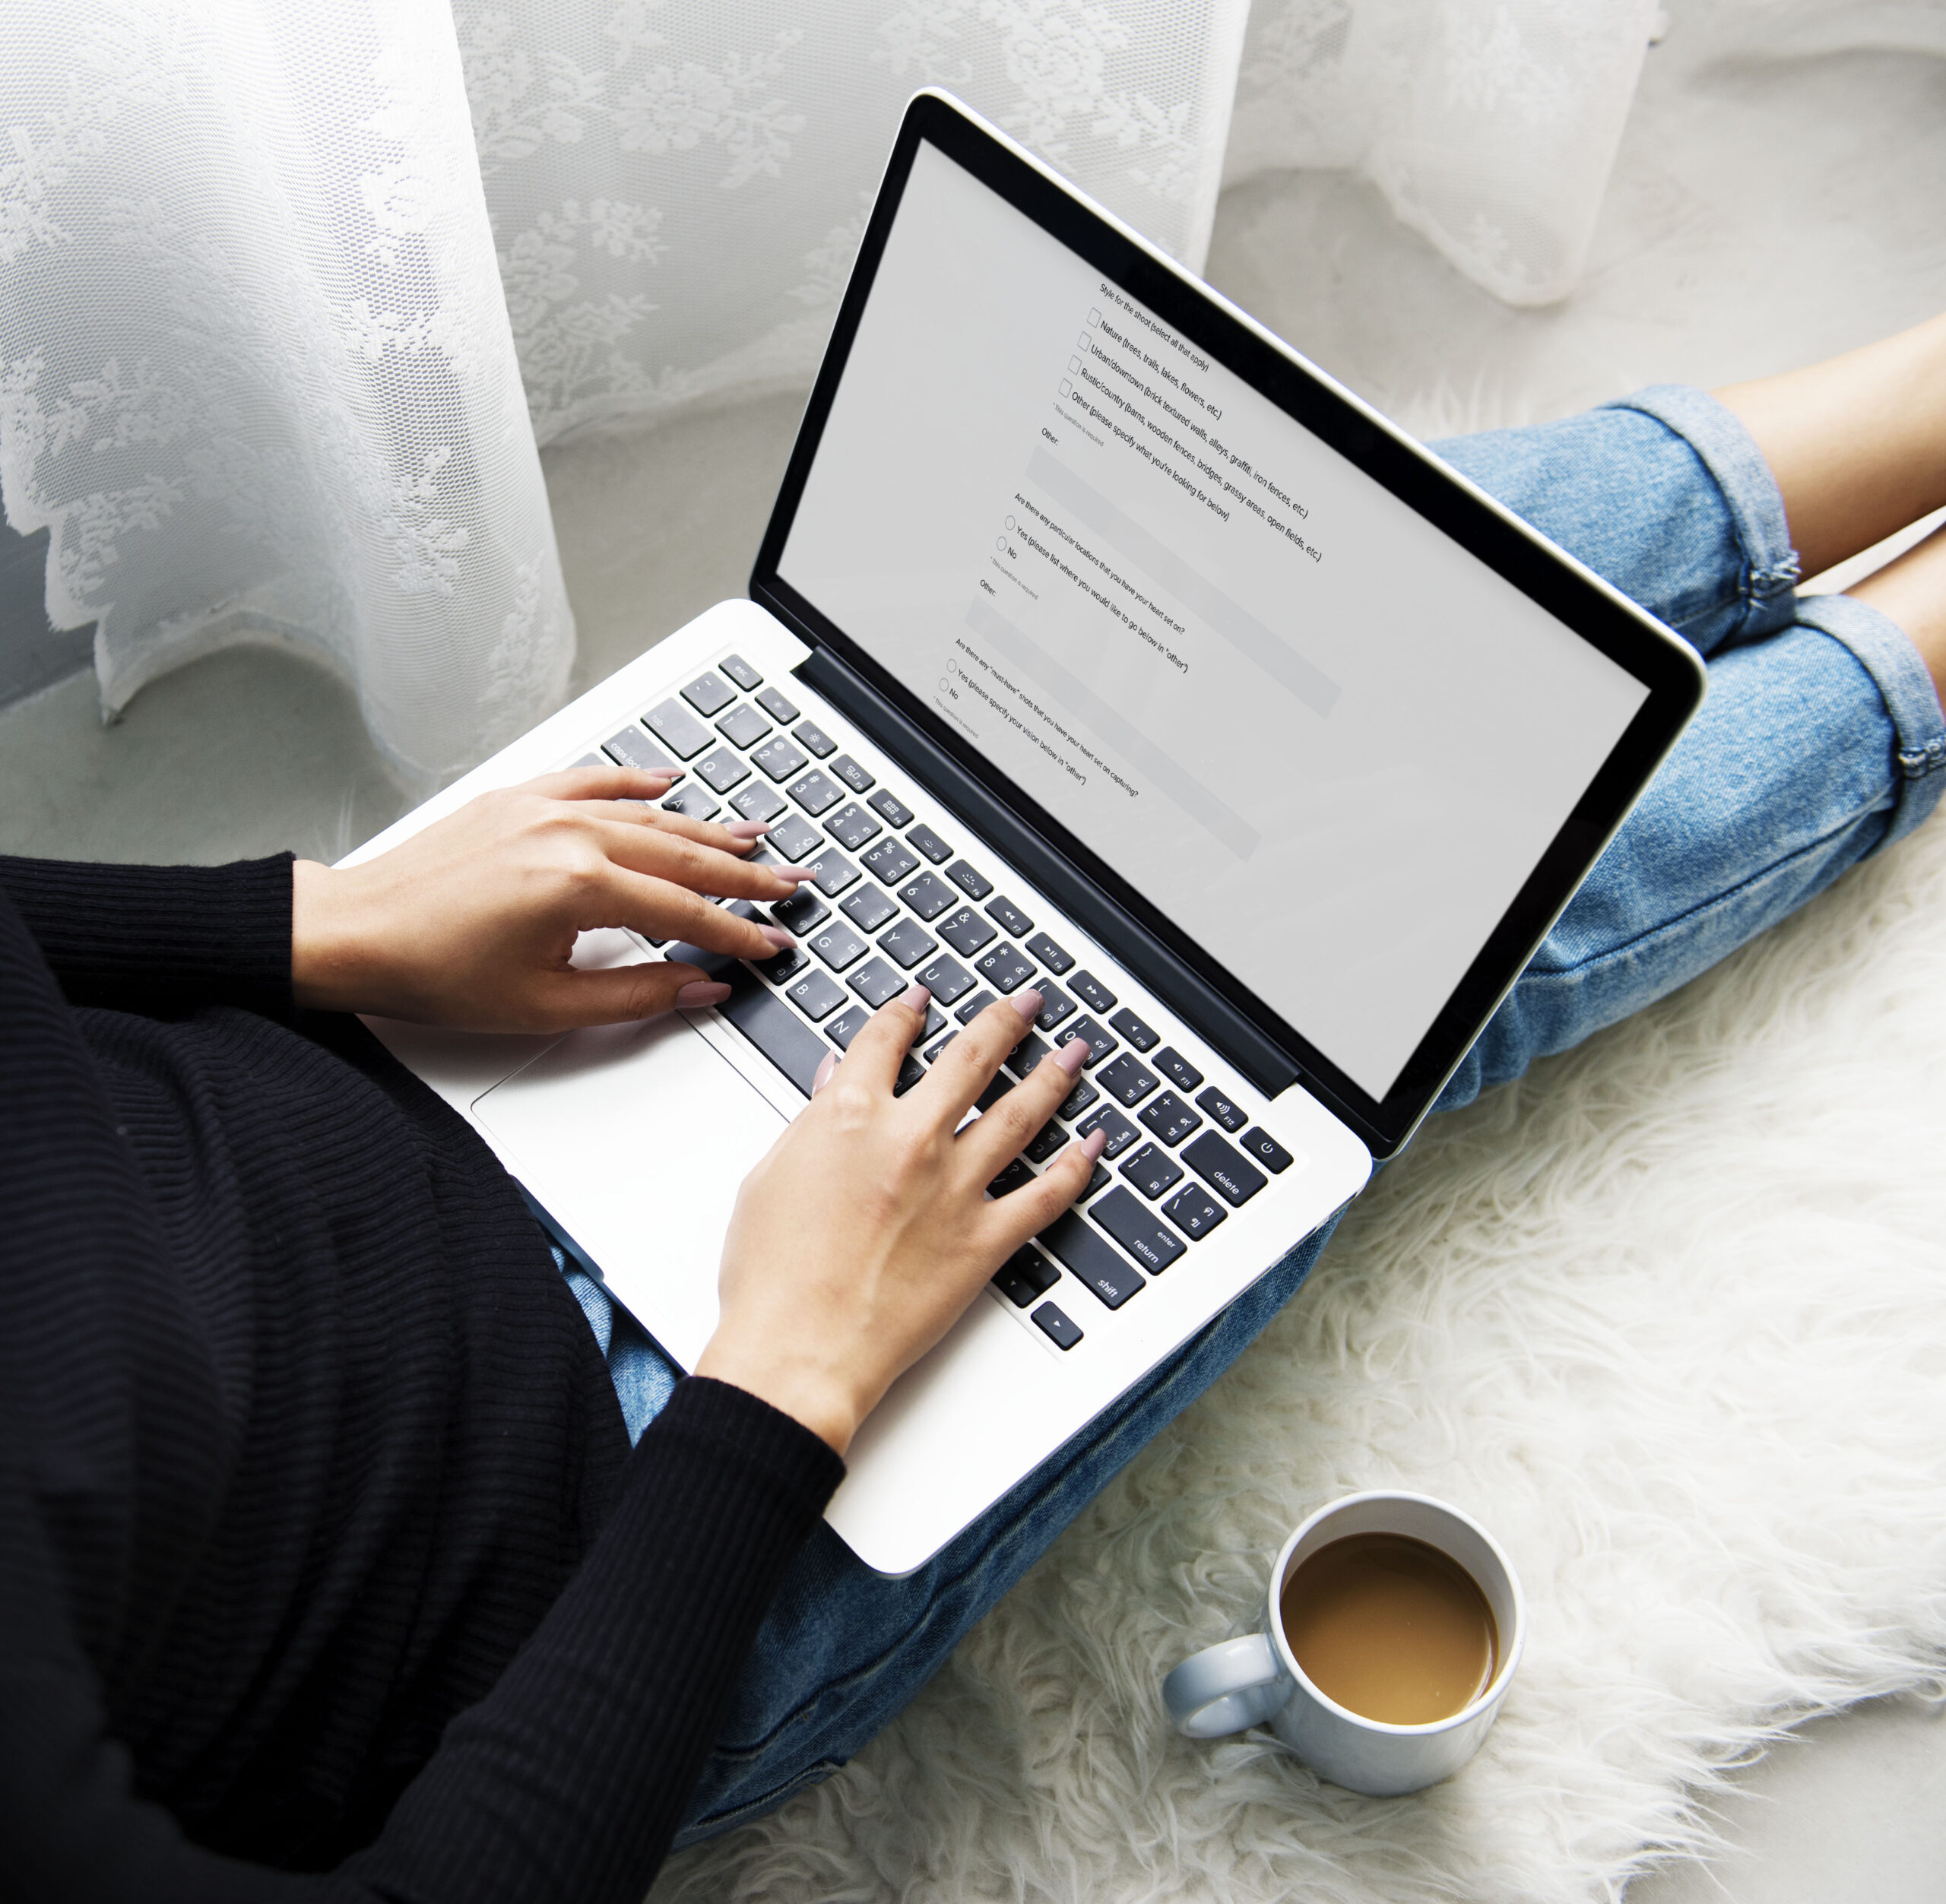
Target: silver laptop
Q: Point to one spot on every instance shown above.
(1097, 643)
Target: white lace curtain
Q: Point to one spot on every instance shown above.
(289, 293)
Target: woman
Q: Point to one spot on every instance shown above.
(322, 1550)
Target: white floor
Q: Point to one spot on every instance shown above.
(1766, 209)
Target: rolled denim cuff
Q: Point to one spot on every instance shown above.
(1771, 569)
(1886, 653)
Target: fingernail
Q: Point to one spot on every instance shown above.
(1073, 1056)
(827, 1064)
(797, 874)
(915, 998)
(747, 829)
(701, 992)
(778, 937)
(1027, 1004)
(1094, 1144)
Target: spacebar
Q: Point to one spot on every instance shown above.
(773, 1028)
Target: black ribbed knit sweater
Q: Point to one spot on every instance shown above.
(325, 1569)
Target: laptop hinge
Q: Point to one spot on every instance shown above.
(1256, 1056)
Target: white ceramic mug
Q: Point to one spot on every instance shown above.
(1245, 1682)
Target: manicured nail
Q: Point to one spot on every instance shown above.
(828, 1064)
(778, 937)
(747, 829)
(1073, 1056)
(700, 992)
(1094, 1144)
(797, 874)
(1027, 1004)
(916, 998)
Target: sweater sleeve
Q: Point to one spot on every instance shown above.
(566, 1783)
(137, 938)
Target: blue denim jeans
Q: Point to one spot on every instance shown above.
(1821, 741)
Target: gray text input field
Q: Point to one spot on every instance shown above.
(1082, 703)
(1235, 623)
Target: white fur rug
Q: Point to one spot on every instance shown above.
(1667, 1316)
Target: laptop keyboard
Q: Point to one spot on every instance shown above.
(894, 902)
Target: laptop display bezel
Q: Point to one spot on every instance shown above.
(1667, 667)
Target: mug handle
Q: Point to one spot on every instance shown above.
(1226, 1688)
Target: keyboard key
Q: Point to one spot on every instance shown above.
(632, 748)
(1078, 1100)
(966, 932)
(779, 759)
(946, 979)
(780, 967)
(815, 996)
(1010, 918)
(801, 912)
(889, 807)
(758, 802)
(908, 942)
(721, 768)
(740, 671)
(852, 826)
(1220, 1108)
(973, 1007)
(929, 843)
(1126, 1081)
(935, 1024)
(1178, 1068)
(877, 983)
(853, 776)
(1102, 1269)
(834, 872)
(1048, 1142)
(1170, 1118)
(933, 1052)
(693, 802)
(847, 1026)
(1097, 1179)
(1220, 1166)
(1132, 1027)
(780, 710)
(1024, 1275)
(890, 862)
(929, 895)
(1192, 1212)
(1266, 1149)
(677, 729)
(838, 945)
(1092, 992)
(868, 908)
(1120, 1132)
(1055, 1327)
(1004, 969)
(1137, 1231)
(743, 726)
(994, 1092)
(970, 882)
(1152, 1170)
(1055, 1003)
(910, 1071)
(1026, 1055)
(709, 694)
(1016, 1176)
(816, 792)
(776, 1030)
(1056, 959)
(796, 838)
(808, 735)
(1100, 1043)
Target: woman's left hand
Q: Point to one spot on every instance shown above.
(472, 921)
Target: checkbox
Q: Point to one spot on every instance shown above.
(1083, 342)
(1067, 388)
(1074, 363)
(1094, 318)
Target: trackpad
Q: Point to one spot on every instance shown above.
(635, 1137)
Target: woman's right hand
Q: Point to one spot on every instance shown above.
(857, 1243)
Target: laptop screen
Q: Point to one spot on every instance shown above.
(1307, 725)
